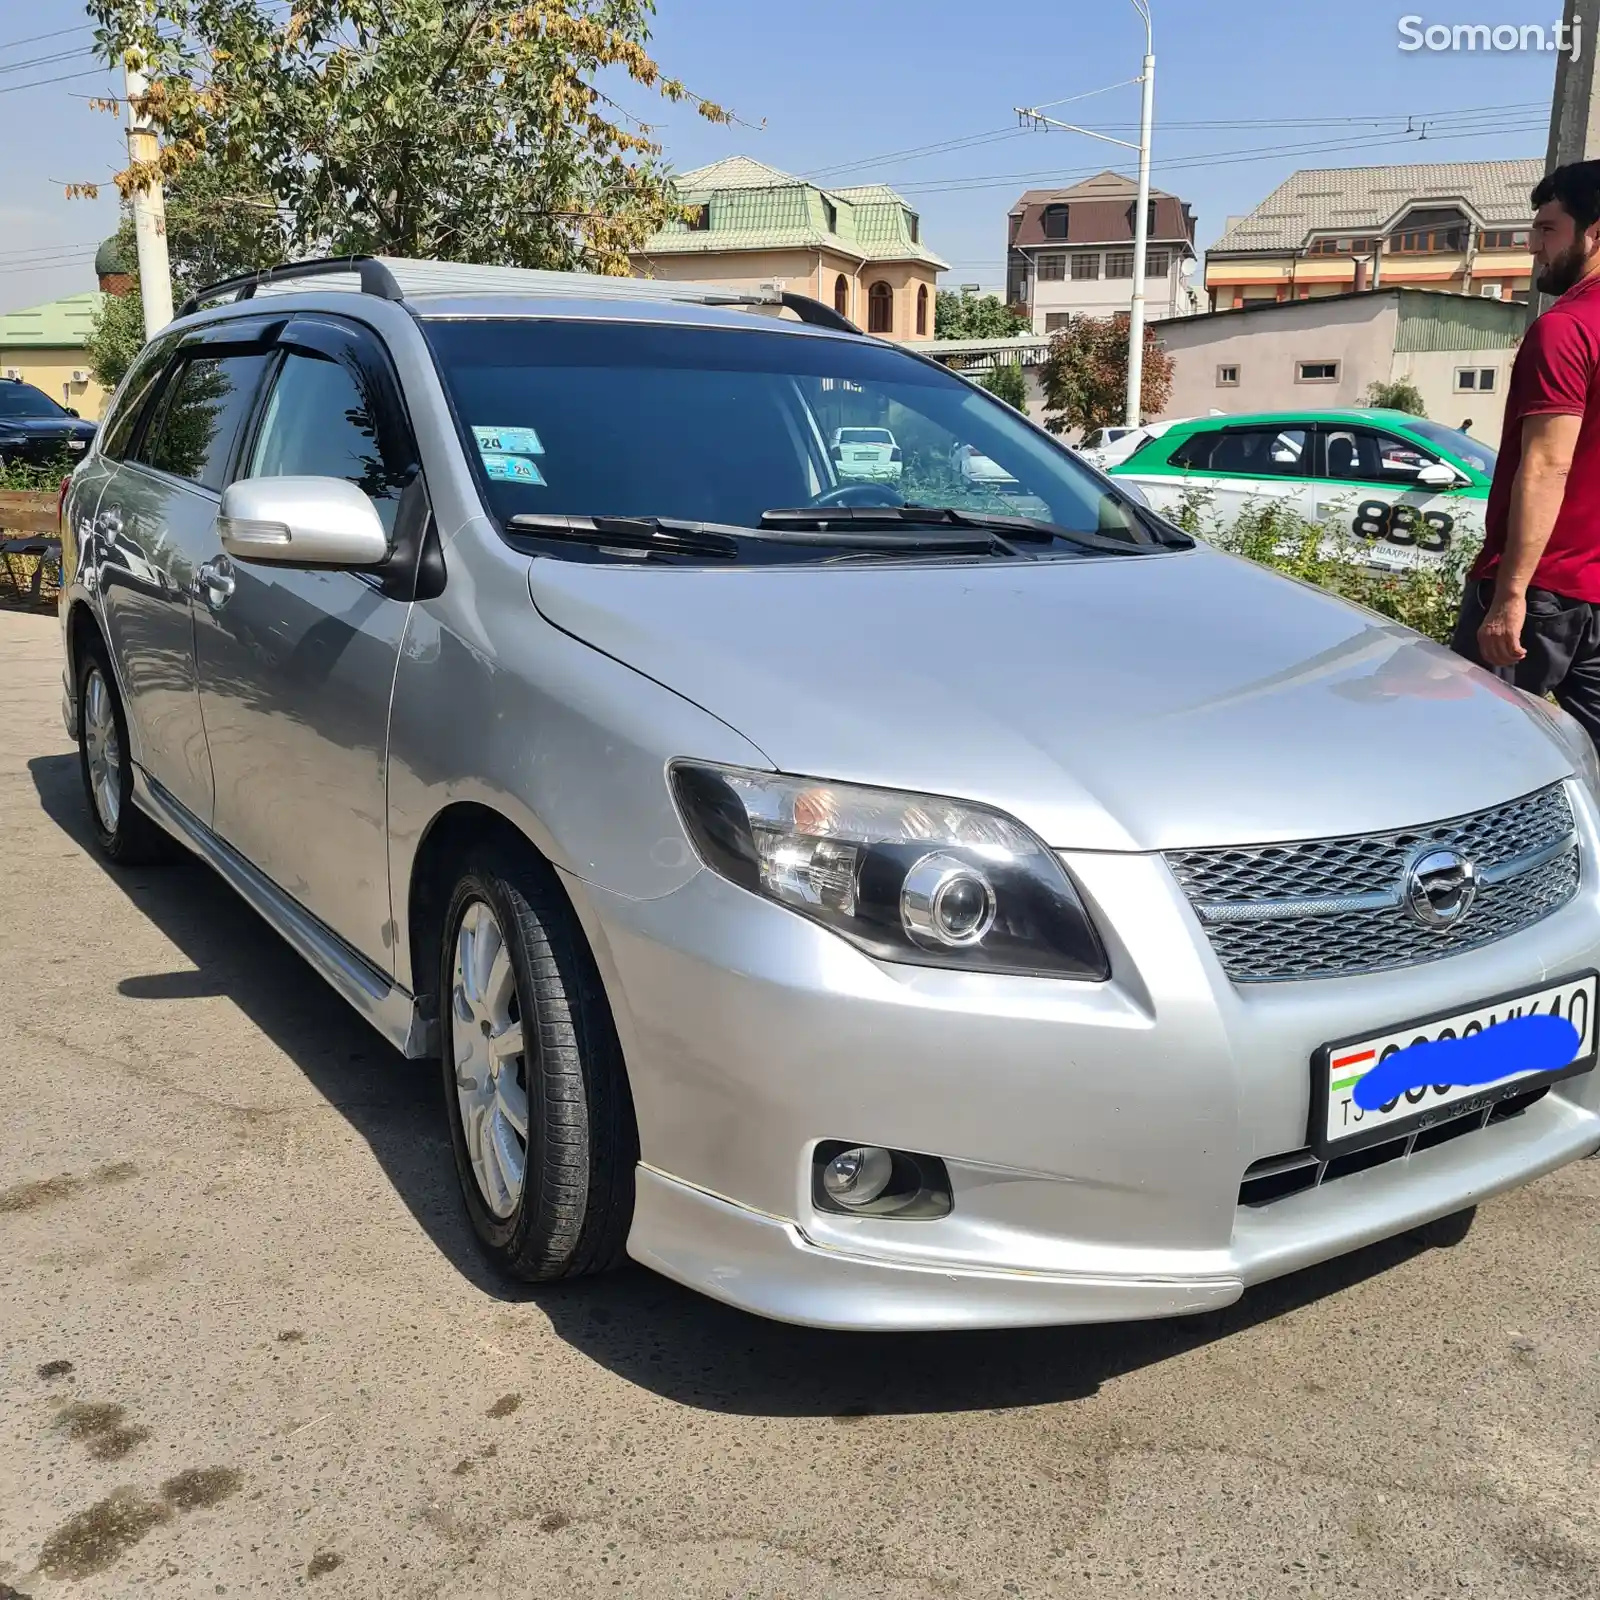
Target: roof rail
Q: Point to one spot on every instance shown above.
(375, 279)
(393, 278)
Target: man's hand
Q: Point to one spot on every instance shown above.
(1500, 632)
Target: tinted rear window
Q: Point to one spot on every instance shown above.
(23, 400)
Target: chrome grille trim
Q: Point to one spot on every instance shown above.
(1334, 907)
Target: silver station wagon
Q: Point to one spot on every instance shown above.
(934, 900)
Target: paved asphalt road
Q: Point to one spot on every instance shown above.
(246, 1346)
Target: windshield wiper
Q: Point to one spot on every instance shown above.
(1006, 531)
(648, 535)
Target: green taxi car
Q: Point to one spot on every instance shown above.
(1410, 489)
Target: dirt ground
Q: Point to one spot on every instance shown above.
(246, 1346)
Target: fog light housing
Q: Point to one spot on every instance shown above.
(857, 1176)
(865, 1180)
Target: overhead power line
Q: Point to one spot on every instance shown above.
(45, 61)
(67, 77)
(58, 33)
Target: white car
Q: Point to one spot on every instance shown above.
(866, 453)
(979, 471)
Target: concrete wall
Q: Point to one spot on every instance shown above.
(1104, 297)
(1267, 347)
(1434, 373)
(51, 370)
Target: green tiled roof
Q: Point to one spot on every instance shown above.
(59, 324)
(756, 207)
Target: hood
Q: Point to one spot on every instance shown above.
(46, 427)
(1130, 703)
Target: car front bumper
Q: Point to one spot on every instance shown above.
(1096, 1135)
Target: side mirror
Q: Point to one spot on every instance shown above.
(1436, 475)
(69, 410)
(301, 522)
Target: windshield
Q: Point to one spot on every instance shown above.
(1459, 444)
(23, 400)
(721, 425)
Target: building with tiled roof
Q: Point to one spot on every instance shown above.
(45, 346)
(1455, 225)
(1069, 252)
(858, 249)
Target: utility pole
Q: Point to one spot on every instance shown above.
(1033, 116)
(149, 209)
(1574, 114)
(1141, 224)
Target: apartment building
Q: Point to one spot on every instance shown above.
(1069, 252)
(1458, 226)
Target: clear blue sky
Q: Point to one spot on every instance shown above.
(840, 82)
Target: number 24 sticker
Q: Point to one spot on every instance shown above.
(1402, 524)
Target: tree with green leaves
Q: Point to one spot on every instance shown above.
(460, 130)
(1086, 374)
(986, 316)
(1399, 395)
(1006, 382)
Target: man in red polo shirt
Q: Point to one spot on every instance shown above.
(1531, 611)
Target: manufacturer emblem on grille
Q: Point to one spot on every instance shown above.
(1439, 888)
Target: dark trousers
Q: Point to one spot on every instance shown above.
(1562, 638)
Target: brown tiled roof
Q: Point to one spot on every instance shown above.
(1107, 221)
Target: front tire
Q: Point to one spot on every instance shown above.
(541, 1122)
(124, 833)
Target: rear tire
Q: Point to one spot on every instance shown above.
(1445, 1232)
(541, 1121)
(122, 831)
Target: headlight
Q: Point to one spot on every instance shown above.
(1571, 735)
(906, 877)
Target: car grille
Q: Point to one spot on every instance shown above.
(1323, 908)
(1278, 1177)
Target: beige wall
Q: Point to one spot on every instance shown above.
(51, 370)
(810, 272)
(1434, 373)
(1266, 347)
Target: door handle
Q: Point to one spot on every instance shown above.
(214, 582)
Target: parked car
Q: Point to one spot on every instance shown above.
(866, 453)
(979, 470)
(35, 430)
(1408, 489)
(873, 914)
(1097, 441)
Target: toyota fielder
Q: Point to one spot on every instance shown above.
(870, 907)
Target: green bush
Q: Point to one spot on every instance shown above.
(1424, 597)
(25, 475)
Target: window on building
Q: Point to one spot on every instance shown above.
(1428, 241)
(830, 215)
(922, 310)
(1475, 380)
(1346, 246)
(1228, 377)
(1057, 321)
(1052, 268)
(880, 308)
(841, 295)
(914, 226)
(1086, 266)
(1157, 263)
(1119, 263)
(1055, 222)
(1316, 372)
(1503, 239)
(699, 218)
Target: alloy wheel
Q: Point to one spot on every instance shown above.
(104, 750)
(487, 1049)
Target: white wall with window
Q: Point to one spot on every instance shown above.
(1097, 281)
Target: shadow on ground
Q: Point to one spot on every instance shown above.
(638, 1325)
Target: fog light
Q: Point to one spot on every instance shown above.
(858, 1176)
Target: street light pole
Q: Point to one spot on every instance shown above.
(1033, 116)
(1141, 225)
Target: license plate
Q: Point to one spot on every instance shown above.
(1338, 1124)
(75, 444)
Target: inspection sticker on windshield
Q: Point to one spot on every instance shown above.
(508, 441)
(511, 469)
